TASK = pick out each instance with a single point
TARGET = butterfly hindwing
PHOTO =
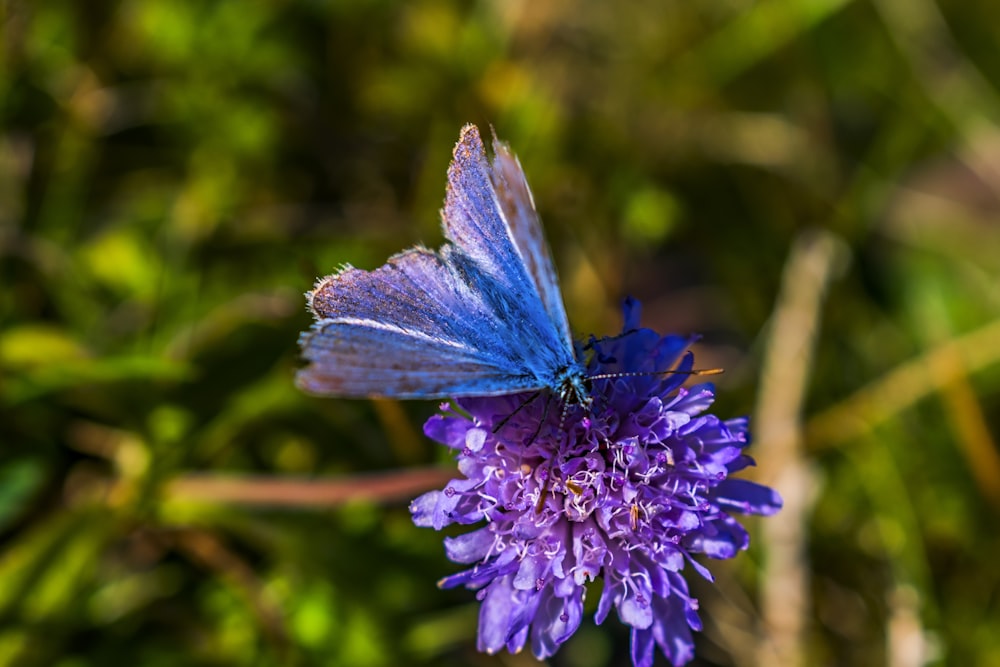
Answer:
(411, 329)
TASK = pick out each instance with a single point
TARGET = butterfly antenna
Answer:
(630, 374)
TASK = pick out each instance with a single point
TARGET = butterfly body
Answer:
(481, 316)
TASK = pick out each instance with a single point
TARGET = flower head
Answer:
(627, 488)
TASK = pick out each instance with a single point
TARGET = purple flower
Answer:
(627, 488)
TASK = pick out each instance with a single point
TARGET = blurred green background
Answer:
(783, 176)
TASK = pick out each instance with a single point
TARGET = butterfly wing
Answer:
(518, 208)
(490, 214)
(467, 320)
(419, 327)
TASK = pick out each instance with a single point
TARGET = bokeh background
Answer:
(814, 185)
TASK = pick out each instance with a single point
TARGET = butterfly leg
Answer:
(541, 498)
(503, 422)
(545, 415)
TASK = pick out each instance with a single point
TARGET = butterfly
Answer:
(481, 316)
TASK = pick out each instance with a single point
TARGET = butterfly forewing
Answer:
(518, 208)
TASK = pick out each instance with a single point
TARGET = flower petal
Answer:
(741, 495)
(635, 611)
(447, 429)
(495, 615)
(470, 547)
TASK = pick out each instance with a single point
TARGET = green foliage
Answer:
(174, 174)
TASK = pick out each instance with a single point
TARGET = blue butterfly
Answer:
(482, 316)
